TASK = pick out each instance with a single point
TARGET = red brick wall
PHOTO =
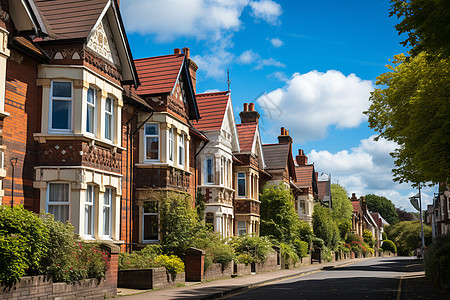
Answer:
(23, 102)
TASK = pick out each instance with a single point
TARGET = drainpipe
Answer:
(13, 164)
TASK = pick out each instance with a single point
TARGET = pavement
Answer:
(219, 288)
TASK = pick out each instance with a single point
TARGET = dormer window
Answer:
(151, 137)
(61, 106)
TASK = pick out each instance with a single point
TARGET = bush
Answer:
(368, 238)
(384, 236)
(407, 236)
(389, 245)
(216, 250)
(257, 247)
(301, 248)
(144, 259)
(327, 255)
(288, 255)
(437, 261)
(23, 241)
(317, 243)
(173, 264)
(324, 226)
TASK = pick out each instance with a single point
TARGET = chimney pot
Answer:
(287, 132)
(177, 51)
(251, 106)
(301, 158)
(245, 106)
(283, 131)
(187, 52)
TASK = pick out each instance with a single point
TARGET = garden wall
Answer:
(40, 287)
(270, 264)
(215, 271)
(155, 278)
(242, 269)
(305, 261)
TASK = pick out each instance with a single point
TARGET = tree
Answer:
(411, 107)
(324, 226)
(341, 209)
(425, 22)
(403, 215)
(278, 217)
(406, 236)
(383, 206)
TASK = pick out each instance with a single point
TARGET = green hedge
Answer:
(437, 261)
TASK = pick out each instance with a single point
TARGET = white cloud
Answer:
(276, 42)
(266, 10)
(201, 19)
(366, 169)
(211, 91)
(310, 103)
(247, 57)
(250, 57)
(278, 75)
(269, 62)
(215, 63)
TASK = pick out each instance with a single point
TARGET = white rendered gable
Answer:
(229, 125)
(102, 42)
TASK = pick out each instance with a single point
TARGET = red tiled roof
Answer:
(304, 176)
(246, 134)
(159, 74)
(70, 19)
(322, 187)
(212, 108)
(356, 206)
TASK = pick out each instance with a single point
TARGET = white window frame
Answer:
(65, 203)
(143, 224)
(222, 170)
(209, 158)
(90, 190)
(109, 194)
(145, 142)
(181, 151)
(245, 184)
(240, 228)
(111, 115)
(226, 173)
(171, 145)
(94, 113)
(50, 116)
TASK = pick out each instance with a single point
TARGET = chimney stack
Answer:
(284, 137)
(177, 51)
(353, 198)
(249, 114)
(301, 158)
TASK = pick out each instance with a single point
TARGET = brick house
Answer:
(438, 213)
(165, 142)
(307, 182)
(215, 161)
(68, 92)
(247, 167)
(362, 219)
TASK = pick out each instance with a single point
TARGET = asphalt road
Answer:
(396, 278)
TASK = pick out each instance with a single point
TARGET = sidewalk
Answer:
(219, 288)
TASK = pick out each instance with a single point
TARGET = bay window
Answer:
(107, 212)
(90, 110)
(89, 211)
(150, 225)
(209, 170)
(58, 201)
(61, 106)
(109, 121)
(151, 144)
(241, 184)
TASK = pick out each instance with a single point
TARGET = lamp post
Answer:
(13, 164)
(418, 206)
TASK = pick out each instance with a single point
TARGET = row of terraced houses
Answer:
(97, 138)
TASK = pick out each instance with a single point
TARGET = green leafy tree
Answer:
(425, 23)
(324, 226)
(341, 209)
(406, 236)
(368, 238)
(278, 217)
(200, 205)
(389, 245)
(383, 206)
(410, 107)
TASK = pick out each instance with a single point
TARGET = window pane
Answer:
(209, 170)
(108, 122)
(61, 113)
(106, 220)
(58, 192)
(61, 212)
(91, 96)
(151, 129)
(108, 105)
(241, 184)
(152, 147)
(62, 89)
(90, 119)
(88, 220)
(150, 227)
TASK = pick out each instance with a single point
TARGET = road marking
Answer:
(399, 290)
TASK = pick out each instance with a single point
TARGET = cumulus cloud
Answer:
(215, 62)
(310, 103)
(276, 42)
(266, 10)
(201, 19)
(366, 169)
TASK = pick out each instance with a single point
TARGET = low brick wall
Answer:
(155, 278)
(269, 265)
(216, 271)
(39, 287)
(305, 261)
(242, 269)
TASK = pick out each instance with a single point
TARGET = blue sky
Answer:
(308, 65)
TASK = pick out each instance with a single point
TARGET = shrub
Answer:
(216, 250)
(389, 245)
(301, 248)
(288, 255)
(245, 258)
(437, 260)
(144, 259)
(327, 255)
(407, 236)
(23, 240)
(173, 264)
(324, 226)
(368, 238)
(384, 236)
(317, 243)
(258, 247)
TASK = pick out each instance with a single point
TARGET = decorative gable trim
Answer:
(234, 134)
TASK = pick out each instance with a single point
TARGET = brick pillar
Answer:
(194, 263)
(111, 274)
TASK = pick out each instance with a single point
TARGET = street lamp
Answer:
(418, 206)
(329, 189)
(13, 164)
